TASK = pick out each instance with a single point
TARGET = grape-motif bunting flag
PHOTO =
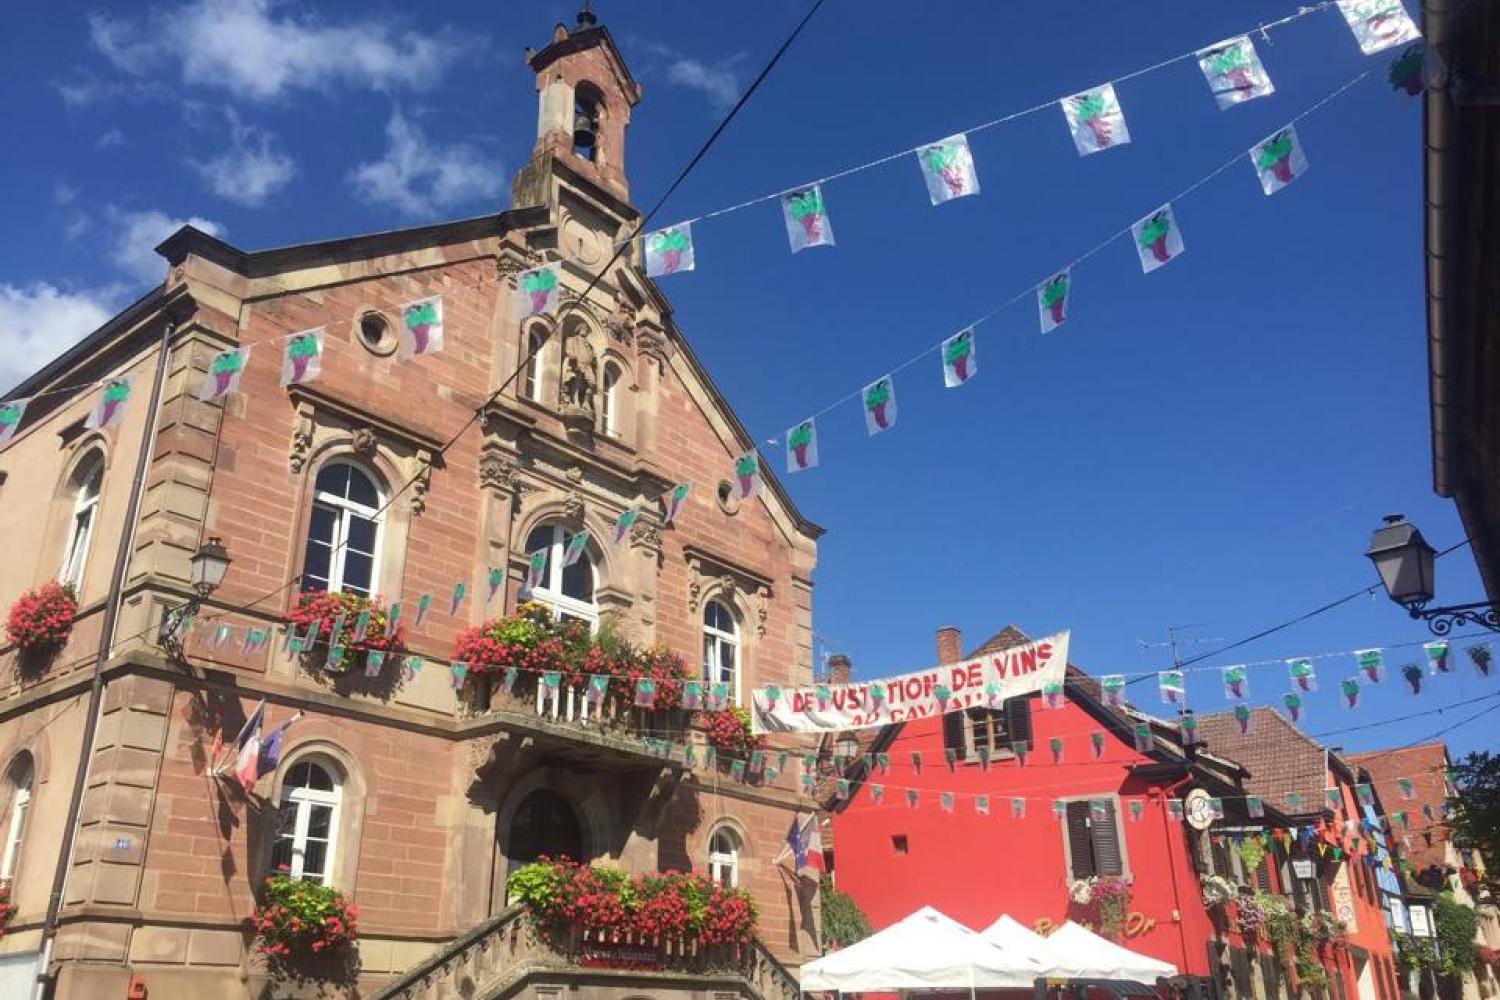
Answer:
(1412, 673)
(576, 546)
(669, 250)
(1052, 300)
(1112, 686)
(223, 375)
(1234, 72)
(1236, 683)
(1302, 675)
(539, 291)
(1157, 239)
(1378, 24)
(11, 413)
(948, 169)
(302, 358)
(1293, 702)
(802, 446)
(672, 502)
(1242, 718)
(806, 218)
(1278, 160)
(421, 328)
(747, 480)
(1479, 655)
(536, 566)
(1349, 686)
(1095, 120)
(1173, 686)
(1437, 656)
(960, 362)
(623, 524)
(111, 405)
(1371, 665)
(1408, 72)
(879, 398)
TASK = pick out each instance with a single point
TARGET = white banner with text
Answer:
(981, 682)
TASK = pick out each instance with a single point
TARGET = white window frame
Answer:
(714, 640)
(15, 834)
(532, 379)
(722, 862)
(84, 518)
(609, 410)
(304, 799)
(550, 592)
(342, 510)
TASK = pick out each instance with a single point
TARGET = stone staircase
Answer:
(503, 957)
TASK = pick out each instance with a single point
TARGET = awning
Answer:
(1014, 936)
(925, 951)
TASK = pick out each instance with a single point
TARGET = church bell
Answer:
(583, 131)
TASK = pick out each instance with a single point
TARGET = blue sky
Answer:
(1210, 444)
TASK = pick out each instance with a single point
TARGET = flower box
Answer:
(41, 620)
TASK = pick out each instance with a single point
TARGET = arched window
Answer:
(567, 590)
(721, 647)
(343, 534)
(724, 856)
(86, 482)
(609, 410)
(586, 122)
(307, 829)
(20, 779)
(536, 351)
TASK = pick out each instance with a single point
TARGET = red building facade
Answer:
(1095, 807)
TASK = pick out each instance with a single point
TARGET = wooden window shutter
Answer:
(1270, 975)
(1108, 858)
(1239, 967)
(1220, 855)
(954, 735)
(1080, 845)
(1263, 874)
(1018, 720)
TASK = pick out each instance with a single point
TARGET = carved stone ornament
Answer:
(762, 605)
(302, 439)
(573, 508)
(362, 441)
(643, 534)
(621, 324)
(496, 472)
(421, 481)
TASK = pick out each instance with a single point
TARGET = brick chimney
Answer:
(839, 668)
(950, 644)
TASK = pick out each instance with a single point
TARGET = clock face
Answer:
(1198, 809)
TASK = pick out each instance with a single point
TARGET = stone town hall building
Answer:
(416, 802)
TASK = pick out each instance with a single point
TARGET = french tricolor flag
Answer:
(806, 845)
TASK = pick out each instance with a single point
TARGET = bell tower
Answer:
(585, 93)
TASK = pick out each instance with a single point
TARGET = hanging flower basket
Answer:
(324, 607)
(296, 922)
(42, 619)
(728, 731)
(7, 908)
(1218, 891)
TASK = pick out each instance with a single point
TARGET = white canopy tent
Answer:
(925, 951)
(1098, 958)
(1011, 934)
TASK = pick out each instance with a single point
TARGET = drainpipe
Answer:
(1172, 865)
(101, 656)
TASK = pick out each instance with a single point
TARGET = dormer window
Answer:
(586, 104)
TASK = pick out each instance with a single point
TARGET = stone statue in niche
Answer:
(580, 373)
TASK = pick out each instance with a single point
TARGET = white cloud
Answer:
(255, 48)
(251, 169)
(39, 321)
(114, 137)
(63, 192)
(418, 177)
(718, 82)
(136, 234)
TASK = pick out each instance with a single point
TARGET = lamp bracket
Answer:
(1443, 620)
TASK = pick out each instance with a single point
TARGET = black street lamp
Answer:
(1405, 563)
(207, 568)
